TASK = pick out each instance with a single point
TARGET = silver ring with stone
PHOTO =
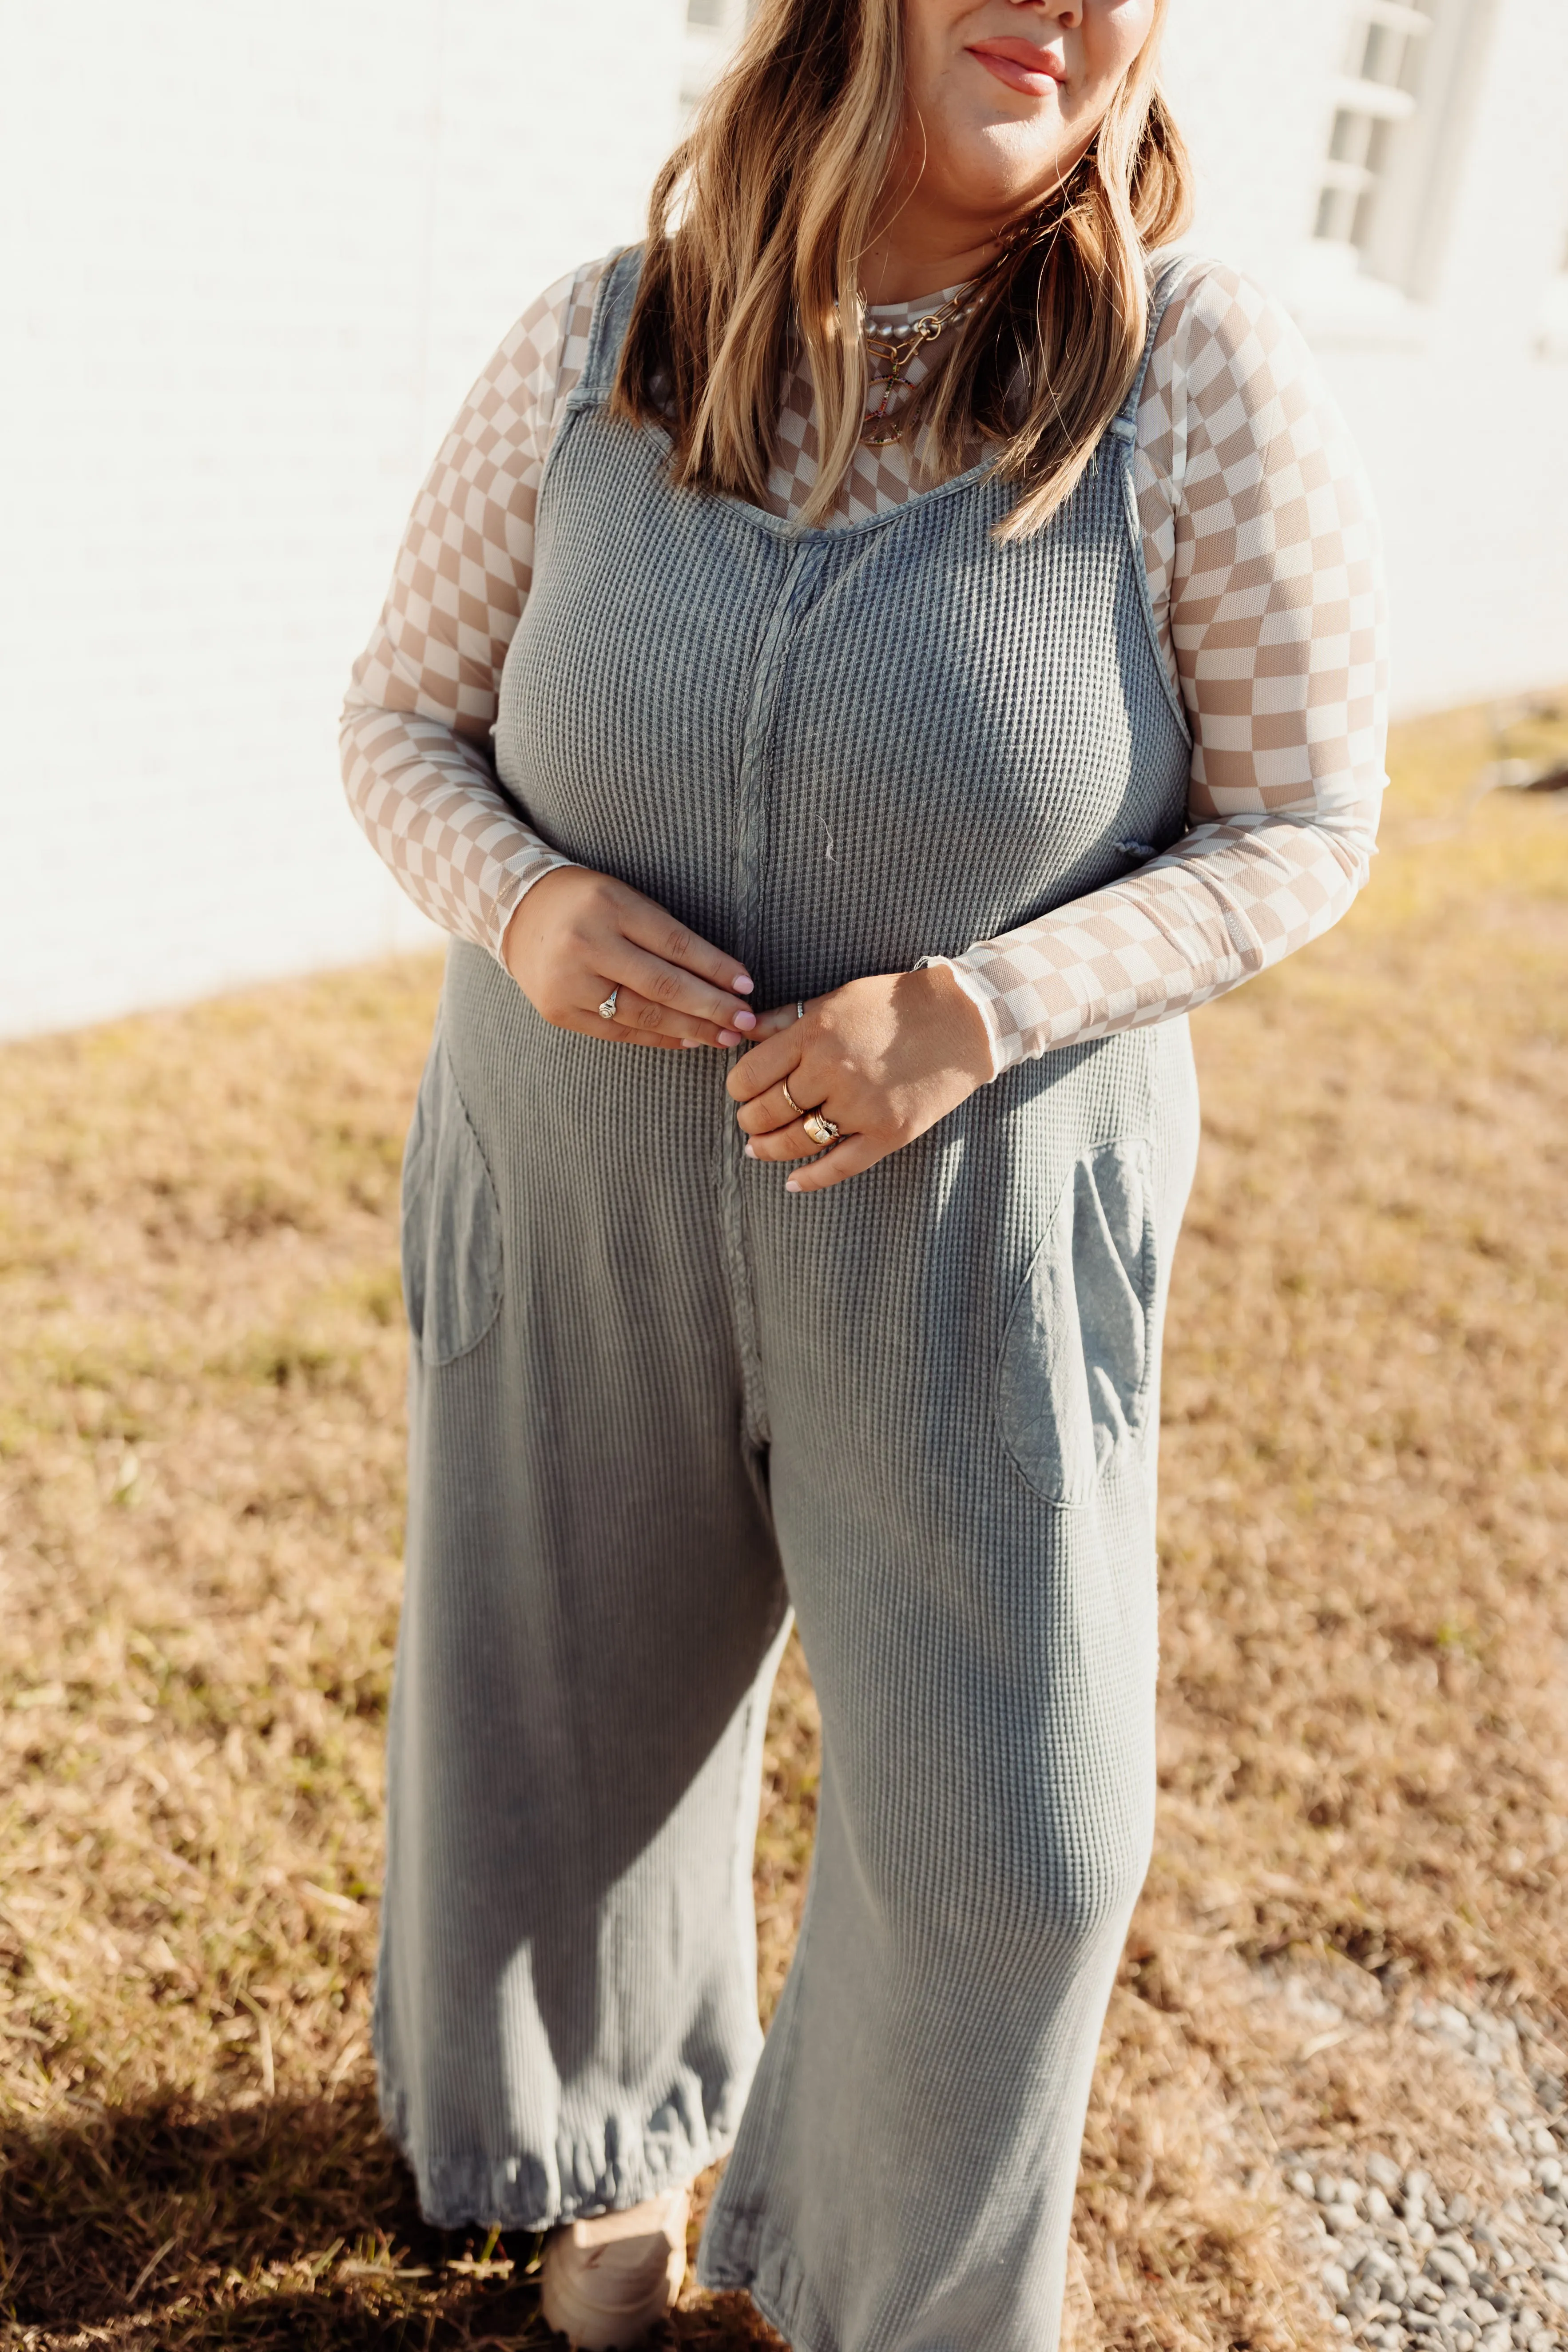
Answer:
(608, 1007)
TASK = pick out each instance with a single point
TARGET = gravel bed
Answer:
(1407, 2265)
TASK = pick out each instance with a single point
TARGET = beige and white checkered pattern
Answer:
(1262, 558)
(423, 697)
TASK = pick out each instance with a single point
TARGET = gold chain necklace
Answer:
(891, 354)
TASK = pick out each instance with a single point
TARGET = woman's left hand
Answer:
(883, 1058)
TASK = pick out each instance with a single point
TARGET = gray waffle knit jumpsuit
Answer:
(657, 1401)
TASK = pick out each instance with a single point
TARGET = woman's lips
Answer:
(1020, 65)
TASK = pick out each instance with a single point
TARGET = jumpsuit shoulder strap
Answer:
(1165, 279)
(612, 317)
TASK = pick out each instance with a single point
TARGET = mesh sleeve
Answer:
(1264, 563)
(415, 730)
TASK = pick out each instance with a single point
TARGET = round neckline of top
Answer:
(903, 312)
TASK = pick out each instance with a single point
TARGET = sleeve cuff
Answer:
(980, 996)
(531, 868)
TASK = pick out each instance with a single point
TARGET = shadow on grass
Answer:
(286, 2225)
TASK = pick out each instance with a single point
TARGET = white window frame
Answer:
(1415, 208)
(1376, 285)
(1373, 112)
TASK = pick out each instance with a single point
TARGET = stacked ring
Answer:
(820, 1128)
(790, 1099)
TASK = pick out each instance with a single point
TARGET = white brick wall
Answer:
(252, 257)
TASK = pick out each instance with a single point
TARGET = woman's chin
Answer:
(1003, 166)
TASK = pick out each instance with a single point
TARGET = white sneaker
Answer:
(603, 2284)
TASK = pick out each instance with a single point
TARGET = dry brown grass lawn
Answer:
(1364, 1730)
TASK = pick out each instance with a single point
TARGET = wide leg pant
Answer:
(656, 1401)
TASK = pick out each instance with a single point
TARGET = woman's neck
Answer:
(905, 268)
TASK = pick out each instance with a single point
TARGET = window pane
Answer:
(1360, 225)
(1348, 143)
(1384, 56)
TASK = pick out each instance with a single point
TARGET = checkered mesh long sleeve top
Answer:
(1262, 559)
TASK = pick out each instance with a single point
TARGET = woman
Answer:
(929, 645)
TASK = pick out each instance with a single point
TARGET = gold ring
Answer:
(820, 1128)
(608, 1007)
(790, 1099)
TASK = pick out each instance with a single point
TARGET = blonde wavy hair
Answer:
(756, 230)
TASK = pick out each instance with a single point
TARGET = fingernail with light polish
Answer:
(741, 985)
(792, 1186)
(729, 1037)
(745, 1020)
(749, 1153)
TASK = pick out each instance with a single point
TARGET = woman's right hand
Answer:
(576, 935)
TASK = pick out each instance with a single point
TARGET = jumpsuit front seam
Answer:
(750, 860)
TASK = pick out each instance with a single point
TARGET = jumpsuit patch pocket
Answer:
(451, 1222)
(1076, 1359)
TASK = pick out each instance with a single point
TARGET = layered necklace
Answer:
(891, 351)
